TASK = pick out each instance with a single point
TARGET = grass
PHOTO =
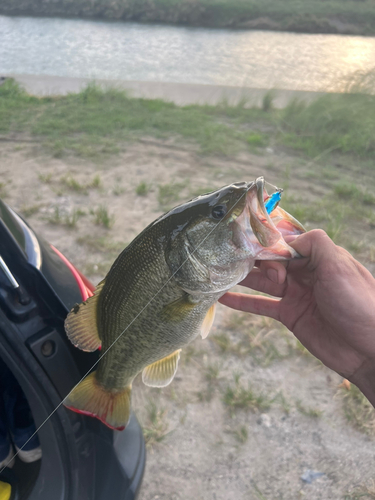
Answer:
(95, 123)
(308, 412)
(241, 434)
(103, 218)
(69, 220)
(358, 410)
(237, 396)
(29, 210)
(366, 491)
(156, 427)
(142, 189)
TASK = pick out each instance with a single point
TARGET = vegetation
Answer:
(237, 396)
(358, 410)
(315, 16)
(96, 122)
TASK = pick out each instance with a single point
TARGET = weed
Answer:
(96, 182)
(241, 434)
(68, 219)
(366, 491)
(55, 217)
(102, 217)
(142, 189)
(255, 139)
(73, 184)
(46, 178)
(346, 191)
(308, 412)
(267, 101)
(28, 211)
(238, 396)
(71, 219)
(358, 410)
(156, 429)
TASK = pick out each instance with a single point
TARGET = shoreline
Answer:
(181, 94)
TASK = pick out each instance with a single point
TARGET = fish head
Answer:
(219, 237)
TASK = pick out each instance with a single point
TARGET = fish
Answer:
(161, 292)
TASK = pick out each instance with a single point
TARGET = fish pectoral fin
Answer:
(110, 407)
(177, 310)
(208, 321)
(161, 373)
(81, 324)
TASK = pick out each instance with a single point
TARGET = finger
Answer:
(315, 244)
(255, 304)
(259, 281)
(275, 270)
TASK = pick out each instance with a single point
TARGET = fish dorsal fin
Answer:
(161, 373)
(208, 320)
(81, 324)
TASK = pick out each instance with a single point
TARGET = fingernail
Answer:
(273, 275)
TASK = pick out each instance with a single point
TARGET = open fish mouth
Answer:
(264, 233)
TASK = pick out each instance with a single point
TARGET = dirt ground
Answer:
(202, 446)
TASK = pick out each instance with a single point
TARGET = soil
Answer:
(199, 448)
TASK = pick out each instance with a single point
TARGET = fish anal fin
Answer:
(91, 399)
(81, 324)
(161, 373)
(208, 321)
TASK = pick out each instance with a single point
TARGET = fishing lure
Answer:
(272, 202)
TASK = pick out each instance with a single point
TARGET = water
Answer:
(130, 51)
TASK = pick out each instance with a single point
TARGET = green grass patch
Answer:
(103, 218)
(142, 189)
(237, 396)
(358, 410)
(156, 426)
(95, 123)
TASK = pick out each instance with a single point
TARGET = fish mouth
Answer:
(265, 232)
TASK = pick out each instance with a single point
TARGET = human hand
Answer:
(327, 299)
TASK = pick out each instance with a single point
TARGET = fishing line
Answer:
(114, 342)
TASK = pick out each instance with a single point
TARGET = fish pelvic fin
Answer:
(90, 398)
(162, 372)
(208, 321)
(81, 324)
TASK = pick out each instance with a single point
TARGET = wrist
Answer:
(364, 379)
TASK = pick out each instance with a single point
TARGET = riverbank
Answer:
(315, 16)
(182, 94)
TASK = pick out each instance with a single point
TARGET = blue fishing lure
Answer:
(272, 202)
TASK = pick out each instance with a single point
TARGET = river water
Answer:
(131, 51)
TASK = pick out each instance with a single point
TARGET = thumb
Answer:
(315, 244)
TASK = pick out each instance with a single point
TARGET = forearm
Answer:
(364, 379)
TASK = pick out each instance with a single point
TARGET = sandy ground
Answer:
(181, 94)
(198, 448)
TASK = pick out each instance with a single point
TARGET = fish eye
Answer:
(219, 211)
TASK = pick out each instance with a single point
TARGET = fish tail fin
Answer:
(92, 399)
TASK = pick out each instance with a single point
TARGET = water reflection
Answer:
(130, 51)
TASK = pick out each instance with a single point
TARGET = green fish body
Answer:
(161, 291)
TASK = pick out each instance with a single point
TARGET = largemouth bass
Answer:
(161, 292)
